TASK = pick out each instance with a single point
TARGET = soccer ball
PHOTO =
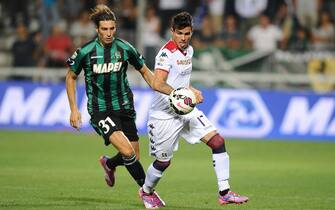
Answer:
(182, 100)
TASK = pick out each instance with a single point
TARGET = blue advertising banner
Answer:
(269, 114)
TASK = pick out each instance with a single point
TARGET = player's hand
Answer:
(75, 119)
(198, 95)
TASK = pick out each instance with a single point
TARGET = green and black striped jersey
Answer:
(105, 68)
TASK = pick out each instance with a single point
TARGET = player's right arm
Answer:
(162, 70)
(75, 116)
(159, 82)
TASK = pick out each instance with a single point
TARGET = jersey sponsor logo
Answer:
(239, 113)
(184, 62)
(106, 67)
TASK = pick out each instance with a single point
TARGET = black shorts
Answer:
(105, 123)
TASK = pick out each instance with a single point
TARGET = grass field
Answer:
(61, 171)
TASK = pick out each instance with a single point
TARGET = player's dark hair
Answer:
(181, 20)
(102, 12)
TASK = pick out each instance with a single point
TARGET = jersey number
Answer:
(105, 124)
(199, 118)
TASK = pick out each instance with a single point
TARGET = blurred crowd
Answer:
(45, 32)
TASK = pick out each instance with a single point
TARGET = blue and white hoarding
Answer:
(301, 115)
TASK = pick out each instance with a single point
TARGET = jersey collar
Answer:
(184, 52)
(102, 45)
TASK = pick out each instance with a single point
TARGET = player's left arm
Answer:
(198, 94)
(147, 75)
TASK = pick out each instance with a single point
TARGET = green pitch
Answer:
(61, 171)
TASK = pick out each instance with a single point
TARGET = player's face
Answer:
(106, 31)
(182, 37)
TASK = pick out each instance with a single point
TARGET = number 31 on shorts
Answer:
(105, 124)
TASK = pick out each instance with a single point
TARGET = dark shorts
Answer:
(105, 123)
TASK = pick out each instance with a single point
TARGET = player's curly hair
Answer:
(182, 20)
(101, 12)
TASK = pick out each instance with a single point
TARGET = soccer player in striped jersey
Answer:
(104, 61)
(173, 69)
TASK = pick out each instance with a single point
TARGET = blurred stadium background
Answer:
(266, 68)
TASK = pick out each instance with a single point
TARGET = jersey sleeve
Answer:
(135, 58)
(163, 60)
(75, 62)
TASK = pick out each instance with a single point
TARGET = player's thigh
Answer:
(128, 125)
(105, 124)
(121, 143)
(130, 130)
(163, 137)
(197, 127)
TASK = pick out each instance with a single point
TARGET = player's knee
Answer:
(128, 152)
(217, 144)
(129, 160)
(160, 165)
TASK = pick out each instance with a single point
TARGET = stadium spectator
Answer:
(264, 36)
(248, 12)
(200, 11)
(18, 12)
(128, 17)
(151, 36)
(285, 21)
(173, 70)
(204, 37)
(216, 11)
(110, 104)
(328, 5)
(324, 34)
(166, 9)
(49, 15)
(307, 12)
(58, 46)
(70, 9)
(82, 30)
(39, 49)
(299, 40)
(272, 7)
(230, 37)
(23, 48)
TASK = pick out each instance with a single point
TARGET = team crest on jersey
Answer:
(117, 55)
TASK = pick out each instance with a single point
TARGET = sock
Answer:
(115, 161)
(223, 192)
(135, 169)
(221, 167)
(152, 179)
